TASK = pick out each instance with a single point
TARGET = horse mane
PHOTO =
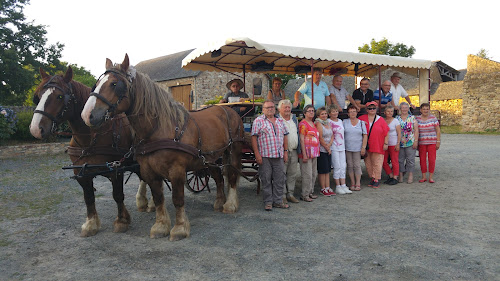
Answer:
(154, 102)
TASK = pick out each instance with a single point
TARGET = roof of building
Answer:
(166, 68)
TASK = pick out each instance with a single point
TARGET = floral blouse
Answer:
(311, 139)
(407, 130)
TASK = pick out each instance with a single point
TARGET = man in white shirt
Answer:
(398, 91)
(338, 94)
(292, 166)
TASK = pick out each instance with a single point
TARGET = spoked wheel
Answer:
(196, 181)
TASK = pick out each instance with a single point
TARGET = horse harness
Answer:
(68, 96)
(112, 107)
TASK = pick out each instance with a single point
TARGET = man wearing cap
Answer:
(398, 91)
(235, 95)
(321, 93)
(338, 94)
(385, 96)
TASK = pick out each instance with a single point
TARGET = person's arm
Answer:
(255, 148)
(398, 131)
(302, 144)
(363, 145)
(270, 95)
(321, 139)
(438, 133)
(297, 99)
(351, 100)
(224, 99)
(415, 134)
(407, 98)
(334, 100)
(386, 142)
(285, 148)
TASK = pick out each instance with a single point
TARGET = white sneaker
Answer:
(346, 189)
(339, 190)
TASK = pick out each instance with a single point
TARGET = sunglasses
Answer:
(371, 108)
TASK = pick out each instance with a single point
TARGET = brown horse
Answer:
(169, 141)
(61, 99)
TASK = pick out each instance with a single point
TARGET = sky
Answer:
(94, 30)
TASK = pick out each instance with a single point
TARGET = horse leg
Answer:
(233, 177)
(181, 228)
(162, 224)
(216, 174)
(92, 223)
(122, 221)
(141, 201)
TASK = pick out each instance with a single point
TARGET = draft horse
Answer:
(59, 98)
(169, 140)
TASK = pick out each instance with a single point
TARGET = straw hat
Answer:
(228, 85)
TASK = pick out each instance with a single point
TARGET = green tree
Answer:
(483, 54)
(384, 47)
(23, 49)
(80, 74)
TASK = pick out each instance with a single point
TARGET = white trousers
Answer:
(339, 164)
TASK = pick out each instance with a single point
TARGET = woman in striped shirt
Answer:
(429, 140)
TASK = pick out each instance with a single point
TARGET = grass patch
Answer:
(25, 205)
(457, 129)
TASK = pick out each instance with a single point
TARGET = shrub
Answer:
(23, 125)
(7, 123)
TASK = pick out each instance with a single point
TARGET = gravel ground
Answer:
(443, 231)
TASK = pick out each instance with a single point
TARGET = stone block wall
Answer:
(451, 111)
(32, 150)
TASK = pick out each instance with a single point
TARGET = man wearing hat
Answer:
(235, 95)
(398, 91)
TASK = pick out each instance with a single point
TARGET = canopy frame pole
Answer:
(379, 88)
(312, 82)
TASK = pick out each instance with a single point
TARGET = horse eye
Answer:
(59, 97)
(113, 84)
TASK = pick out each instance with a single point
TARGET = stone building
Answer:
(481, 95)
(194, 88)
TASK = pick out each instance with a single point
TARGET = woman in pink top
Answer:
(309, 140)
(429, 140)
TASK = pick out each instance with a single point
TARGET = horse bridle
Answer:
(68, 96)
(111, 107)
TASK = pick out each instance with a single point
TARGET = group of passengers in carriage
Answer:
(322, 144)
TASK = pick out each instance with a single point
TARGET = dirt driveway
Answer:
(449, 230)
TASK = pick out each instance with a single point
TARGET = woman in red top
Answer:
(378, 138)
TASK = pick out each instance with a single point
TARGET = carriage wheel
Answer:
(196, 181)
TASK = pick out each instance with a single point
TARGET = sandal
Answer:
(356, 188)
(312, 196)
(268, 207)
(281, 205)
(307, 199)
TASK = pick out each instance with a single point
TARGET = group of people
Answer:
(322, 142)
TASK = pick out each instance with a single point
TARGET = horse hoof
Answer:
(159, 230)
(142, 209)
(90, 227)
(120, 227)
(179, 232)
(229, 209)
(150, 209)
(218, 205)
(88, 233)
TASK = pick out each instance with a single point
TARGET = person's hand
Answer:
(357, 108)
(386, 146)
(242, 99)
(363, 151)
(296, 103)
(438, 144)
(415, 145)
(258, 159)
(304, 159)
(223, 101)
(396, 147)
(329, 150)
(413, 106)
(285, 156)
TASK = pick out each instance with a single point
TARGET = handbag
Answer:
(367, 145)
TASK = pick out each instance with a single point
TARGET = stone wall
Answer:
(451, 111)
(32, 150)
(481, 96)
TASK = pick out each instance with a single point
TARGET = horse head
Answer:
(110, 95)
(54, 98)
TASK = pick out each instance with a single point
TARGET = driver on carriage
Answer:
(235, 95)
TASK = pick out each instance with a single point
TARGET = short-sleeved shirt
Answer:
(427, 133)
(407, 130)
(377, 136)
(340, 95)
(385, 98)
(327, 137)
(320, 93)
(338, 135)
(397, 93)
(393, 134)
(270, 137)
(311, 139)
(364, 98)
(354, 135)
(240, 94)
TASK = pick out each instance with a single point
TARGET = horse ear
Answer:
(125, 64)
(43, 74)
(109, 64)
(69, 75)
